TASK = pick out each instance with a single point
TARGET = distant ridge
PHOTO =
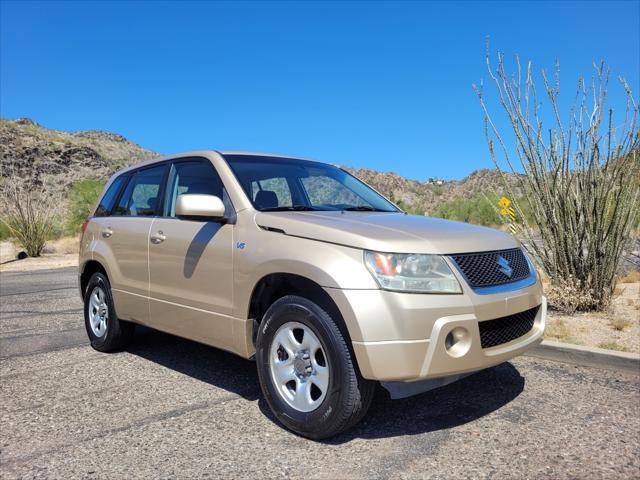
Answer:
(29, 149)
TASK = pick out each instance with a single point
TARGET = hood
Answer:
(387, 232)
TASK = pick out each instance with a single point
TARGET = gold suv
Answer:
(298, 264)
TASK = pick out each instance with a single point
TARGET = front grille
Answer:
(503, 330)
(487, 269)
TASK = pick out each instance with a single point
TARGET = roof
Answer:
(260, 154)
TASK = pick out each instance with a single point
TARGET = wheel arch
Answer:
(87, 270)
(274, 286)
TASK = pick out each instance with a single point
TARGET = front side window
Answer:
(140, 198)
(275, 183)
(197, 177)
(109, 198)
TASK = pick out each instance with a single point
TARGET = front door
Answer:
(191, 262)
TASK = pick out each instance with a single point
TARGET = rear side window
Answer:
(109, 198)
(197, 177)
(140, 198)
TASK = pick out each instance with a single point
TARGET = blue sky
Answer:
(384, 85)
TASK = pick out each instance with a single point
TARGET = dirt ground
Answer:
(617, 329)
(8, 262)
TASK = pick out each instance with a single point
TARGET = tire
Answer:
(293, 394)
(105, 331)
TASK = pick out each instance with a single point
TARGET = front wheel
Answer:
(306, 370)
(105, 331)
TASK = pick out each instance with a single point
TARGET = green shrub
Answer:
(82, 198)
(408, 208)
(481, 209)
(438, 190)
(58, 230)
(478, 210)
(5, 233)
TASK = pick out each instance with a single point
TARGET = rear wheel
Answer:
(105, 331)
(307, 372)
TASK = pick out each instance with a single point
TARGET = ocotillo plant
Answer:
(28, 208)
(581, 177)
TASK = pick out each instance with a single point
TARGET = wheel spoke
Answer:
(302, 398)
(288, 341)
(283, 372)
(321, 378)
(310, 342)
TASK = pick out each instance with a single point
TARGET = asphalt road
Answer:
(172, 408)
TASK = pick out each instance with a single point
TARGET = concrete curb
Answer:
(587, 356)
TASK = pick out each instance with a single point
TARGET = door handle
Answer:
(107, 232)
(158, 237)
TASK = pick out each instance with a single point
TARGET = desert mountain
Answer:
(30, 150)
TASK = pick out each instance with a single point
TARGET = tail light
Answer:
(83, 228)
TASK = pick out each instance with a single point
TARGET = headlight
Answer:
(408, 272)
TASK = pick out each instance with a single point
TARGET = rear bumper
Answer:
(386, 339)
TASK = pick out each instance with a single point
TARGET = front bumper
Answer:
(403, 337)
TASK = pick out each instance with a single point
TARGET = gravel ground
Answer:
(171, 408)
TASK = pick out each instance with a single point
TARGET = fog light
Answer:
(457, 342)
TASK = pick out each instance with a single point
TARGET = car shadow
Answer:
(450, 406)
(204, 363)
(446, 407)
(197, 247)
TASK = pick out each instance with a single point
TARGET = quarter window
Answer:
(109, 198)
(140, 198)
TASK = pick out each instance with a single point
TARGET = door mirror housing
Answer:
(197, 205)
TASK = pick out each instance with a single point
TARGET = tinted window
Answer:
(109, 198)
(275, 183)
(141, 195)
(195, 178)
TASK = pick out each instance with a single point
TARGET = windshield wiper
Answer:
(363, 208)
(294, 208)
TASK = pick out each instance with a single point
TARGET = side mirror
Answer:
(196, 205)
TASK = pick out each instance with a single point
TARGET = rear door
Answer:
(191, 261)
(125, 235)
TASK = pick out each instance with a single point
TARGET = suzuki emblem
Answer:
(504, 266)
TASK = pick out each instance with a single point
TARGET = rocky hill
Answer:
(427, 196)
(30, 150)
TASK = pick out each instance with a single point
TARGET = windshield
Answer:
(283, 184)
